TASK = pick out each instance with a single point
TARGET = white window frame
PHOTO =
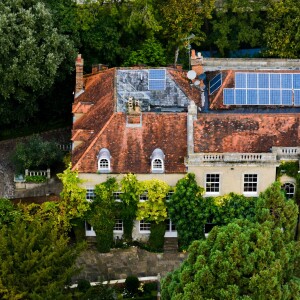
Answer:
(118, 227)
(144, 197)
(144, 224)
(104, 155)
(90, 194)
(288, 194)
(157, 155)
(116, 196)
(213, 183)
(250, 193)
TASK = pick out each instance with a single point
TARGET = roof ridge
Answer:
(93, 142)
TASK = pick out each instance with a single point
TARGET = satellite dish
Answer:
(191, 74)
(197, 82)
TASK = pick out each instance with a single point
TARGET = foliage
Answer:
(34, 54)
(83, 285)
(282, 35)
(8, 212)
(36, 262)
(154, 209)
(180, 19)
(233, 206)
(132, 284)
(237, 23)
(35, 153)
(290, 168)
(99, 292)
(273, 206)
(73, 202)
(186, 208)
(36, 178)
(156, 238)
(131, 189)
(243, 260)
(151, 54)
(102, 214)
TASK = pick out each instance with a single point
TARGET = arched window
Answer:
(157, 161)
(104, 161)
(289, 189)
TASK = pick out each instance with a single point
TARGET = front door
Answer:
(170, 229)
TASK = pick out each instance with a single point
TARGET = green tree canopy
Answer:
(243, 260)
(36, 153)
(33, 52)
(282, 32)
(36, 262)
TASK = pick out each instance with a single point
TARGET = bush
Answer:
(35, 178)
(132, 284)
(83, 285)
(156, 238)
(104, 240)
(100, 292)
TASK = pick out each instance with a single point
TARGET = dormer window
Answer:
(157, 161)
(104, 161)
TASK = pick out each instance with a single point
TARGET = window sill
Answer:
(250, 194)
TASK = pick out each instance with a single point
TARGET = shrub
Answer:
(104, 240)
(100, 292)
(156, 238)
(35, 178)
(83, 285)
(132, 284)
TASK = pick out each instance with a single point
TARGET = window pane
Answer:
(250, 183)
(289, 189)
(118, 225)
(103, 164)
(212, 183)
(144, 226)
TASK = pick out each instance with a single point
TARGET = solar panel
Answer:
(157, 79)
(157, 85)
(264, 89)
(252, 80)
(252, 98)
(228, 97)
(296, 81)
(263, 97)
(297, 97)
(215, 83)
(275, 82)
(275, 98)
(287, 97)
(240, 80)
(286, 81)
(157, 74)
(240, 96)
(263, 80)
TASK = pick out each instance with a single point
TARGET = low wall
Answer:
(119, 263)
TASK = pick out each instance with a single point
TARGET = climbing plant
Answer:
(131, 189)
(103, 213)
(186, 210)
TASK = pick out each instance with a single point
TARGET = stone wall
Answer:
(119, 263)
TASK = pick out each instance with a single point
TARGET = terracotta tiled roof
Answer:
(131, 148)
(253, 133)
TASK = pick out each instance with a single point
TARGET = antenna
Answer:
(191, 74)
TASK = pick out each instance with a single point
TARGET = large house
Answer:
(229, 121)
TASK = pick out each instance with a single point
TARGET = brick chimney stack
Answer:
(79, 74)
(197, 62)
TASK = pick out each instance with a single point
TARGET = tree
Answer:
(36, 153)
(8, 212)
(282, 31)
(36, 262)
(151, 54)
(243, 260)
(34, 54)
(187, 210)
(180, 19)
(237, 23)
(73, 204)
